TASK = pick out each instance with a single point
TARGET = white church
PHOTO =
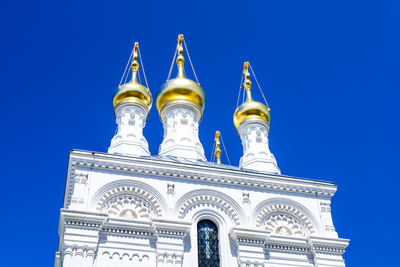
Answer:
(129, 208)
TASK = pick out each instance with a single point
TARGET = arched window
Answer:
(207, 244)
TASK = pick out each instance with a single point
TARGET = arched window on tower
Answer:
(207, 244)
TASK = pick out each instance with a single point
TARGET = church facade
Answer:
(129, 208)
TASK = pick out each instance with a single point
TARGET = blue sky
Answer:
(329, 69)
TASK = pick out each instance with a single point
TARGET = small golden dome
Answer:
(180, 88)
(133, 92)
(250, 109)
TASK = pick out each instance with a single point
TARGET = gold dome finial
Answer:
(247, 82)
(133, 92)
(250, 109)
(180, 60)
(135, 64)
(217, 147)
(181, 89)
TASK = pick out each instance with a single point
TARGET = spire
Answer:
(133, 91)
(180, 103)
(180, 60)
(132, 103)
(250, 109)
(135, 64)
(251, 120)
(217, 147)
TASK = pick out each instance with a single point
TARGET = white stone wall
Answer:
(127, 211)
(129, 139)
(256, 153)
(181, 132)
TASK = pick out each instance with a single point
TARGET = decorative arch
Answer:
(129, 207)
(207, 197)
(138, 199)
(280, 212)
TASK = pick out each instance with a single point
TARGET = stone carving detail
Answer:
(135, 199)
(128, 207)
(80, 189)
(181, 134)
(325, 207)
(284, 224)
(169, 259)
(326, 216)
(171, 189)
(130, 167)
(78, 256)
(246, 198)
(204, 200)
(124, 259)
(287, 210)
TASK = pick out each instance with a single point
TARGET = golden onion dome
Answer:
(250, 109)
(180, 89)
(133, 92)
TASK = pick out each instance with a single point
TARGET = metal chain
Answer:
(212, 153)
(240, 91)
(259, 87)
(244, 93)
(226, 152)
(126, 76)
(144, 73)
(172, 65)
(127, 64)
(187, 51)
(138, 75)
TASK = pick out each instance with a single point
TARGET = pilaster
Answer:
(250, 246)
(79, 234)
(170, 241)
(282, 250)
(80, 191)
(328, 252)
(326, 217)
(126, 243)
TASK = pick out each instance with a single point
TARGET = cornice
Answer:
(329, 245)
(249, 236)
(289, 243)
(102, 223)
(190, 171)
(73, 218)
(173, 228)
(82, 219)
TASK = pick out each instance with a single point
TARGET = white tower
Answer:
(180, 103)
(252, 123)
(132, 103)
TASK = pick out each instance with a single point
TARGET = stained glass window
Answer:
(207, 243)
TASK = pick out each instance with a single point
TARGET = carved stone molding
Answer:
(128, 207)
(207, 174)
(117, 196)
(284, 224)
(280, 206)
(129, 191)
(199, 198)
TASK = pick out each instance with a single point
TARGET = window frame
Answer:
(218, 239)
(223, 235)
